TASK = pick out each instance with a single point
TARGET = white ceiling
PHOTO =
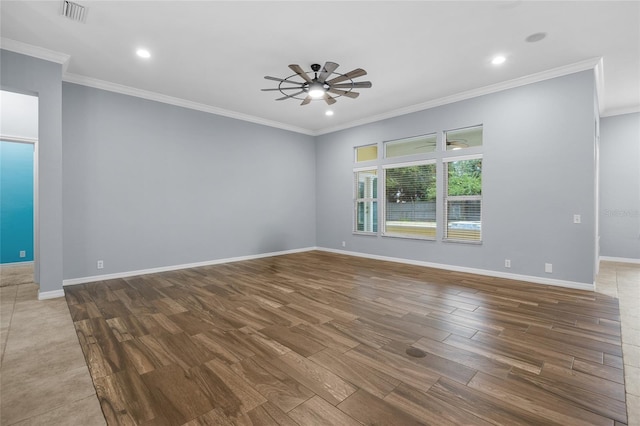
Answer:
(213, 55)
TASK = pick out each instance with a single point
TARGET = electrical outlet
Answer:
(344, 244)
(577, 218)
(548, 268)
(100, 264)
(23, 253)
(507, 263)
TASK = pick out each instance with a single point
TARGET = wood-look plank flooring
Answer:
(319, 338)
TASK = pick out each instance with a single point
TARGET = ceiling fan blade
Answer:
(358, 72)
(268, 77)
(282, 80)
(354, 85)
(348, 94)
(306, 100)
(289, 96)
(327, 70)
(328, 99)
(273, 89)
(458, 144)
(296, 68)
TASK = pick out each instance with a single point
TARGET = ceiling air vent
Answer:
(73, 11)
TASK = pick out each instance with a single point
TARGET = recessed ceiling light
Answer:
(535, 37)
(143, 53)
(497, 60)
(329, 112)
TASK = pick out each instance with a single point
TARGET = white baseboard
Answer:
(486, 272)
(44, 295)
(127, 274)
(12, 264)
(620, 259)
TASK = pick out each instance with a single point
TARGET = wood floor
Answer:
(319, 338)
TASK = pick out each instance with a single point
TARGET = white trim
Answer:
(44, 295)
(365, 169)
(585, 65)
(599, 77)
(620, 111)
(18, 139)
(35, 51)
(16, 264)
(158, 97)
(451, 159)
(620, 259)
(497, 274)
(82, 280)
(409, 163)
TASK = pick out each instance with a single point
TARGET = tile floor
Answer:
(16, 273)
(622, 280)
(44, 379)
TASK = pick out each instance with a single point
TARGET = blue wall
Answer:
(16, 201)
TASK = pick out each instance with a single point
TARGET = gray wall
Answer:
(33, 76)
(538, 171)
(151, 185)
(620, 186)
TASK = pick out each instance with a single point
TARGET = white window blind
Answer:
(463, 199)
(410, 200)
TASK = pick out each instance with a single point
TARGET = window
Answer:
(425, 183)
(410, 200)
(463, 138)
(366, 201)
(463, 198)
(410, 146)
(366, 153)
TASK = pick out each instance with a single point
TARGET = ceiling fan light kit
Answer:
(322, 82)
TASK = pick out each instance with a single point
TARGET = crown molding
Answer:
(595, 64)
(620, 111)
(158, 97)
(35, 51)
(585, 65)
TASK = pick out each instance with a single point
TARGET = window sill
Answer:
(366, 234)
(476, 243)
(408, 237)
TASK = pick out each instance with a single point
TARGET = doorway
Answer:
(18, 189)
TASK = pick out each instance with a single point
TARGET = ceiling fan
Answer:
(319, 83)
(457, 143)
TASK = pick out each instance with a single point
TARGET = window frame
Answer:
(446, 198)
(357, 200)
(385, 145)
(446, 151)
(440, 157)
(383, 210)
(355, 153)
